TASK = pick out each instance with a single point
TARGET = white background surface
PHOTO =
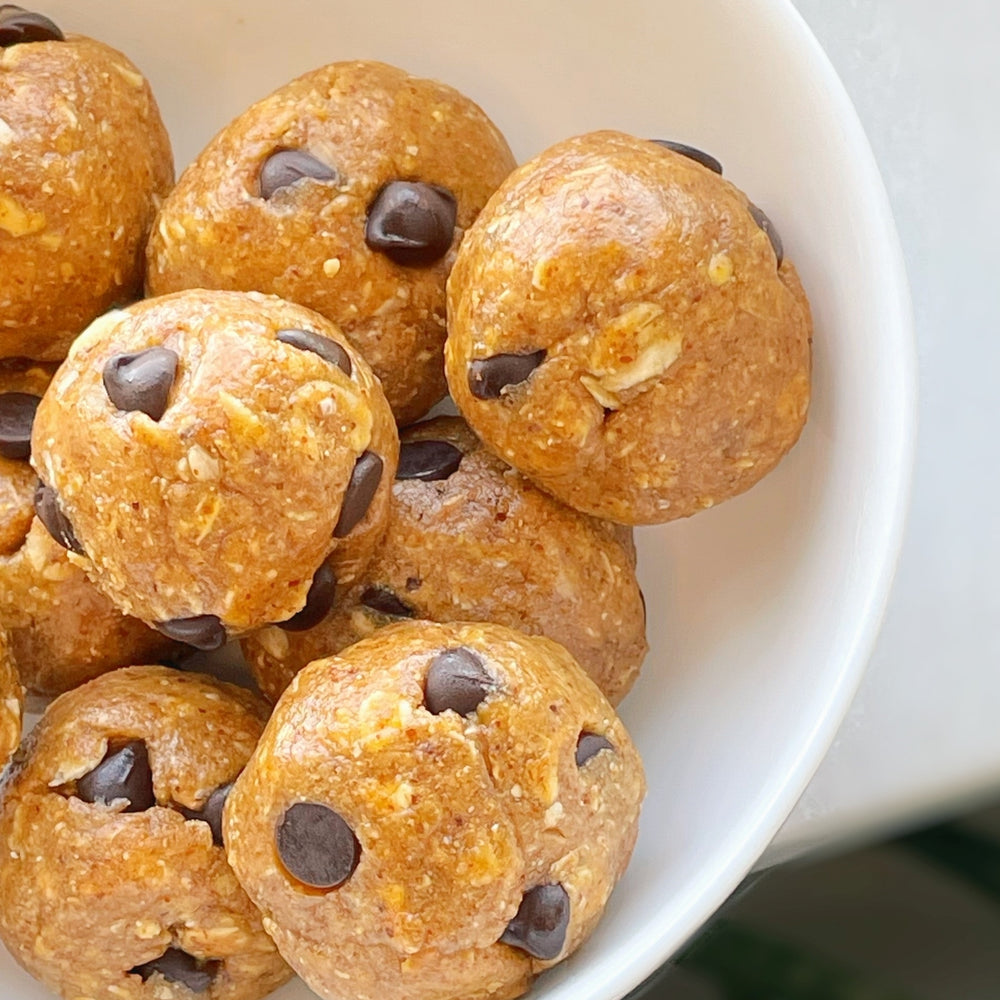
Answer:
(923, 736)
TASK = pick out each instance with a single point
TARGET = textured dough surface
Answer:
(677, 354)
(84, 162)
(457, 817)
(226, 505)
(484, 544)
(87, 891)
(11, 702)
(373, 124)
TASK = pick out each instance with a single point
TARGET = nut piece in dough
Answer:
(470, 539)
(624, 330)
(441, 811)
(113, 877)
(205, 455)
(347, 190)
(61, 629)
(11, 702)
(84, 162)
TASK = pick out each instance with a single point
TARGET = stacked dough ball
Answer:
(443, 798)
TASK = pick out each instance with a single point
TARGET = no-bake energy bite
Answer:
(470, 539)
(625, 330)
(113, 877)
(440, 811)
(346, 190)
(215, 461)
(84, 161)
(61, 629)
(11, 702)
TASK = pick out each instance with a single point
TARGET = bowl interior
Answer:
(762, 611)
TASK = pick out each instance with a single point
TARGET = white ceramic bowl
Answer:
(763, 611)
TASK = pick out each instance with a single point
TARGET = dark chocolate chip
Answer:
(201, 631)
(412, 223)
(327, 349)
(316, 845)
(360, 492)
(539, 926)
(177, 966)
(772, 234)
(55, 521)
(286, 167)
(588, 745)
(319, 600)
(488, 377)
(692, 153)
(18, 25)
(457, 680)
(384, 601)
(141, 381)
(413, 583)
(123, 774)
(211, 811)
(17, 414)
(427, 460)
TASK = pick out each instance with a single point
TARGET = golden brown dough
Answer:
(11, 702)
(364, 125)
(84, 162)
(661, 351)
(103, 879)
(435, 833)
(61, 629)
(205, 454)
(470, 539)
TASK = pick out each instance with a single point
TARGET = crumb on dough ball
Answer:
(346, 190)
(470, 539)
(113, 878)
(213, 459)
(84, 162)
(61, 629)
(11, 702)
(624, 330)
(441, 811)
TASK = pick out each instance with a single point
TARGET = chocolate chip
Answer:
(141, 381)
(316, 845)
(177, 966)
(412, 223)
(123, 774)
(327, 349)
(201, 631)
(692, 153)
(539, 926)
(211, 811)
(772, 234)
(319, 600)
(588, 745)
(55, 521)
(457, 680)
(413, 583)
(286, 167)
(427, 460)
(17, 414)
(384, 601)
(488, 377)
(360, 492)
(18, 25)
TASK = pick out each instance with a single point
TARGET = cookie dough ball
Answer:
(439, 811)
(11, 702)
(470, 539)
(61, 629)
(623, 329)
(84, 162)
(210, 458)
(113, 877)
(347, 190)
